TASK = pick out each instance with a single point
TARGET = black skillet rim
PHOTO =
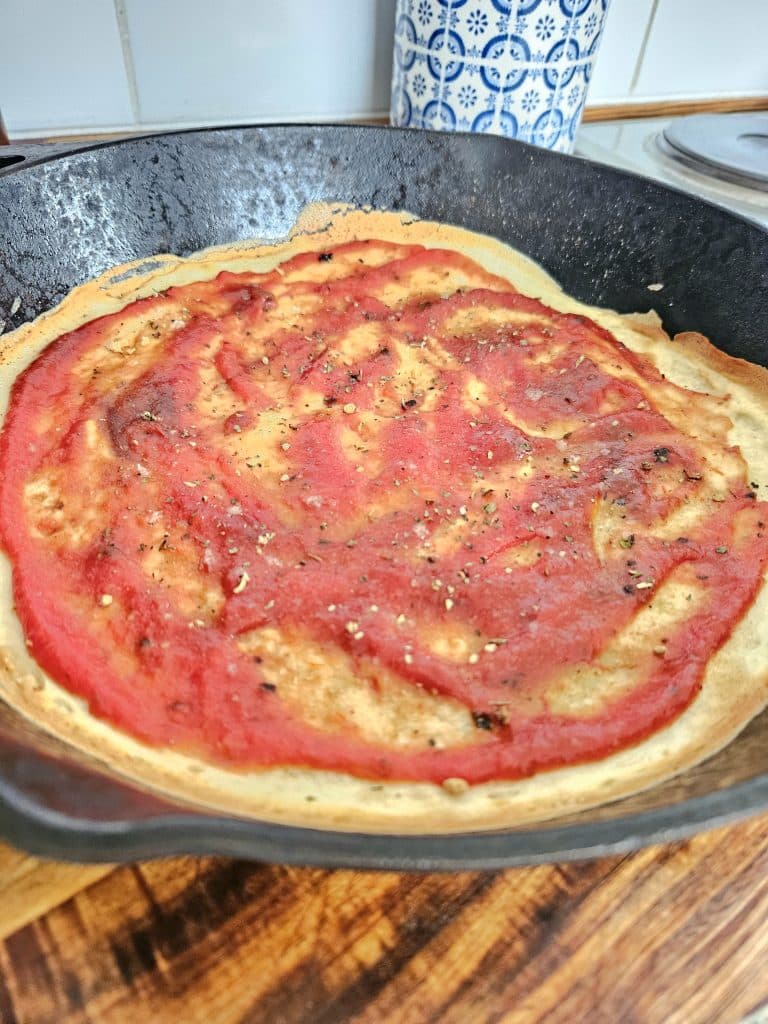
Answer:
(168, 830)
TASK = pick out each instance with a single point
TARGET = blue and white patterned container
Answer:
(511, 67)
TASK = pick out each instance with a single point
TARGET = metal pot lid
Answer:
(736, 144)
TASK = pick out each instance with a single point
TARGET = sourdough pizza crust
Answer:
(736, 681)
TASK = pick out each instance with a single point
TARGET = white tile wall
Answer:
(620, 46)
(64, 67)
(240, 60)
(61, 66)
(706, 48)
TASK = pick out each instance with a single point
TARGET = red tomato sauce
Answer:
(104, 628)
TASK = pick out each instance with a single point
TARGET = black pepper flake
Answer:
(512, 681)
(482, 720)
(628, 588)
(410, 403)
(628, 541)
(269, 687)
(325, 257)
(661, 454)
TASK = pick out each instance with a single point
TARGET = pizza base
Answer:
(735, 686)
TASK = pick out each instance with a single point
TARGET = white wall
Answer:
(93, 65)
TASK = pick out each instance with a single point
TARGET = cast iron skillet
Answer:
(605, 235)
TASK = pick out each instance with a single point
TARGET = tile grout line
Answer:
(443, 52)
(643, 47)
(498, 107)
(554, 105)
(492, 62)
(130, 70)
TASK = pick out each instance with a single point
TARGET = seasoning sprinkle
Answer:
(105, 600)
(242, 583)
(349, 408)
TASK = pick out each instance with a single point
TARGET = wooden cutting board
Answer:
(671, 935)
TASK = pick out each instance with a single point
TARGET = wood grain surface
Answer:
(670, 935)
